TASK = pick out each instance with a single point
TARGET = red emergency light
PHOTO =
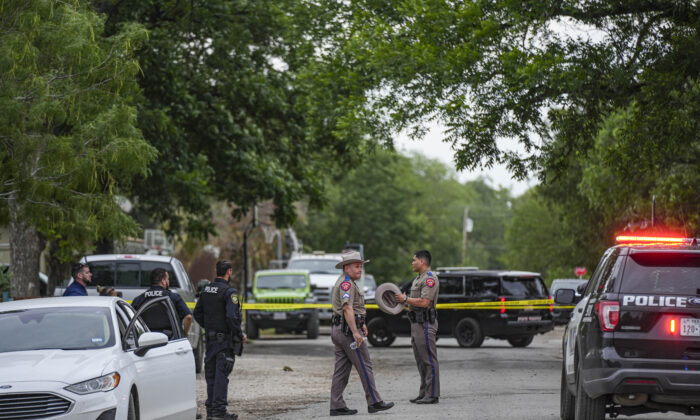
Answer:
(650, 239)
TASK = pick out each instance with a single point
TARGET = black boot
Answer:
(420, 397)
(380, 406)
(428, 400)
(224, 416)
(342, 411)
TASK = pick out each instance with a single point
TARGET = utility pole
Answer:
(466, 227)
(253, 225)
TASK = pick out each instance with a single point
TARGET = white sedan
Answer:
(93, 358)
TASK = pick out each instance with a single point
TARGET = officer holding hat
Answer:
(347, 336)
(218, 311)
(424, 326)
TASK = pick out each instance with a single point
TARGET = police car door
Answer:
(165, 375)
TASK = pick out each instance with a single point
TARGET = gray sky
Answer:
(432, 147)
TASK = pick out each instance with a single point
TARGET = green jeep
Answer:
(283, 286)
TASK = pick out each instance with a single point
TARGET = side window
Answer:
(483, 286)
(148, 266)
(452, 285)
(159, 317)
(102, 273)
(594, 283)
(125, 315)
(128, 275)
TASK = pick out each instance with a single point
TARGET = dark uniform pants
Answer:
(345, 359)
(425, 352)
(216, 374)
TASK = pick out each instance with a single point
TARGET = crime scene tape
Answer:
(512, 304)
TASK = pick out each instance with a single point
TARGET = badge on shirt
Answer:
(346, 296)
(345, 285)
(430, 282)
(234, 299)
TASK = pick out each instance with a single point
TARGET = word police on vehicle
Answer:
(661, 301)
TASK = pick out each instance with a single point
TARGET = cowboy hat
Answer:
(350, 257)
(384, 296)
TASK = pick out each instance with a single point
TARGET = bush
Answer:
(5, 275)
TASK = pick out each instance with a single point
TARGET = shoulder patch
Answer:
(430, 274)
(346, 285)
(430, 282)
(234, 298)
(346, 296)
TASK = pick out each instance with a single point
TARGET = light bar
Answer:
(651, 239)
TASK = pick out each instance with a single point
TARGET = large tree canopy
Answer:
(223, 105)
(68, 140)
(530, 84)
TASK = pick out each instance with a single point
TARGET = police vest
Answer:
(213, 301)
(156, 317)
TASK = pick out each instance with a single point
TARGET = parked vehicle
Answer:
(283, 286)
(92, 358)
(130, 274)
(561, 316)
(470, 327)
(323, 275)
(632, 345)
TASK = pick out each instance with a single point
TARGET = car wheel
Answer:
(566, 400)
(251, 329)
(199, 356)
(379, 334)
(132, 412)
(521, 341)
(313, 326)
(587, 408)
(468, 333)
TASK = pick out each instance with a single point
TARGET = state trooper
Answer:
(424, 326)
(156, 318)
(218, 311)
(348, 329)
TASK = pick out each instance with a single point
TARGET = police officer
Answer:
(348, 329)
(424, 326)
(156, 318)
(81, 278)
(218, 311)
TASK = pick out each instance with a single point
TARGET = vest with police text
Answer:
(213, 301)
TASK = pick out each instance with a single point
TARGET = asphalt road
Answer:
(289, 378)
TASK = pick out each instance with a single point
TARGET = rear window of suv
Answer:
(662, 273)
(524, 287)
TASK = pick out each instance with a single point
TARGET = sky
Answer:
(433, 147)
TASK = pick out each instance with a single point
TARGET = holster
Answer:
(236, 345)
(432, 315)
(418, 316)
(359, 323)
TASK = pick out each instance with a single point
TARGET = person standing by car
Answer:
(156, 319)
(424, 327)
(81, 278)
(350, 348)
(218, 311)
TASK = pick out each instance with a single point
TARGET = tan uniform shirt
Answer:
(347, 291)
(426, 285)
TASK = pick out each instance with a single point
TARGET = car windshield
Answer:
(76, 328)
(524, 287)
(675, 273)
(316, 266)
(277, 281)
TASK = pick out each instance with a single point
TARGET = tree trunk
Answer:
(25, 249)
(58, 271)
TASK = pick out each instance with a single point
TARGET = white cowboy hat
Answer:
(350, 257)
(384, 296)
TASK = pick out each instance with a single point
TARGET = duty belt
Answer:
(213, 334)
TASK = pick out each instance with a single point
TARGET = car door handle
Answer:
(181, 350)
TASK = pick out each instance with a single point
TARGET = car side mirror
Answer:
(581, 287)
(564, 296)
(150, 340)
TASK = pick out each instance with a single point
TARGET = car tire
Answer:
(567, 402)
(252, 330)
(199, 356)
(587, 408)
(379, 334)
(521, 341)
(313, 326)
(468, 333)
(132, 411)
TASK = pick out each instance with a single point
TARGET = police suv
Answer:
(633, 343)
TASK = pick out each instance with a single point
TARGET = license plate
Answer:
(279, 315)
(529, 318)
(690, 327)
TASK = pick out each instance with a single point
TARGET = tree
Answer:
(68, 135)
(224, 104)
